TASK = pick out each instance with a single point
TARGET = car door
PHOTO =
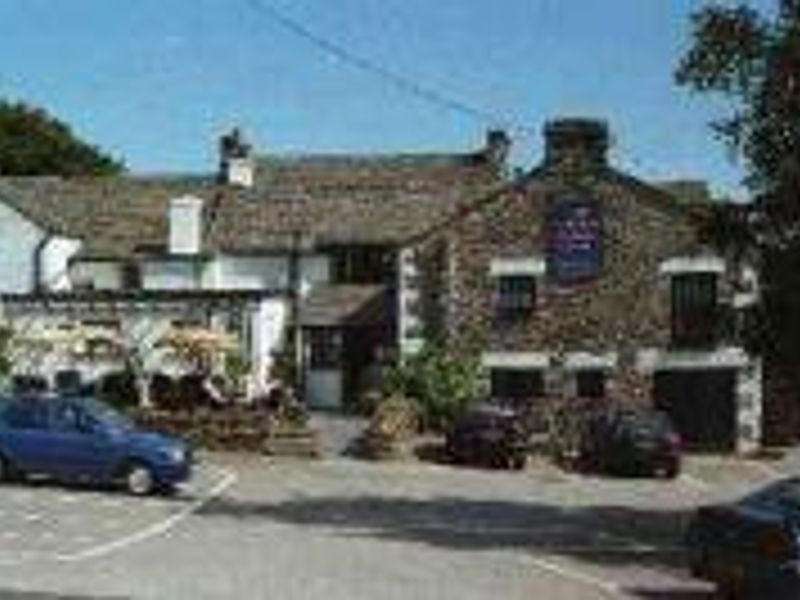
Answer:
(25, 434)
(79, 448)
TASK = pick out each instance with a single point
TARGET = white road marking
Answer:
(160, 528)
(610, 588)
(228, 478)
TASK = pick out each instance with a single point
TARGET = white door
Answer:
(324, 388)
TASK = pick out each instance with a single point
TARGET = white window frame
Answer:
(681, 265)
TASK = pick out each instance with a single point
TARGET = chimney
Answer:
(236, 166)
(185, 225)
(576, 142)
(498, 145)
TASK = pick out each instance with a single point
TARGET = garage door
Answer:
(701, 404)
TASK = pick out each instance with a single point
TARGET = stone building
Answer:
(268, 249)
(571, 280)
(579, 281)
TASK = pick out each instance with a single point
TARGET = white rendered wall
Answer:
(267, 331)
(55, 257)
(19, 239)
(266, 272)
(252, 272)
(171, 275)
(100, 275)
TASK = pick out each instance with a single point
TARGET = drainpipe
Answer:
(38, 268)
(294, 315)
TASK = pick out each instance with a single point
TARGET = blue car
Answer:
(750, 548)
(84, 440)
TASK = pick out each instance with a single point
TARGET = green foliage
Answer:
(32, 142)
(237, 367)
(283, 366)
(442, 383)
(752, 61)
(6, 365)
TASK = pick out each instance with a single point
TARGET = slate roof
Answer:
(344, 305)
(113, 215)
(330, 199)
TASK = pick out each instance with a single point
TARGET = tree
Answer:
(751, 59)
(32, 142)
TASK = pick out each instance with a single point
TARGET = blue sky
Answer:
(156, 81)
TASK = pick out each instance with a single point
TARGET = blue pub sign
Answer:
(574, 240)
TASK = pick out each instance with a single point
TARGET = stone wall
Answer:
(624, 310)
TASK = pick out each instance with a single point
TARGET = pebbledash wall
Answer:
(619, 319)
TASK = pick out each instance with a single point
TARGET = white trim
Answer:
(576, 361)
(500, 267)
(516, 360)
(748, 279)
(722, 358)
(692, 264)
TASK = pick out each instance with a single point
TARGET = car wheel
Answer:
(517, 463)
(668, 470)
(140, 480)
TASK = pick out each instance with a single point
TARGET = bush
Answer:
(441, 383)
(391, 429)
(237, 368)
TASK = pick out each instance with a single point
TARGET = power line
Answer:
(400, 82)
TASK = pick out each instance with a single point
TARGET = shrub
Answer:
(441, 383)
(391, 430)
(237, 368)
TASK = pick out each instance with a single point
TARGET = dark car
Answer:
(488, 435)
(750, 548)
(83, 440)
(631, 442)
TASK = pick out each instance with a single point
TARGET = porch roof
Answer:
(344, 306)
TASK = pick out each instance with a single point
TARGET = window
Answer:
(515, 297)
(66, 418)
(26, 414)
(590, 383)
(131, 276)
(516, 384)
(325, 346)
(694, 308)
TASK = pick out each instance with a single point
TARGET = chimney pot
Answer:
(236, 166)
(498, 145)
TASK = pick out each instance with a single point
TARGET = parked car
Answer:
(488, 435)
(631, 442)
(82, 439)
(750, 548)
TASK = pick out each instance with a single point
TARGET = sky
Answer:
(155, 82)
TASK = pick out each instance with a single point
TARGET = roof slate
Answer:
(331, 199)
